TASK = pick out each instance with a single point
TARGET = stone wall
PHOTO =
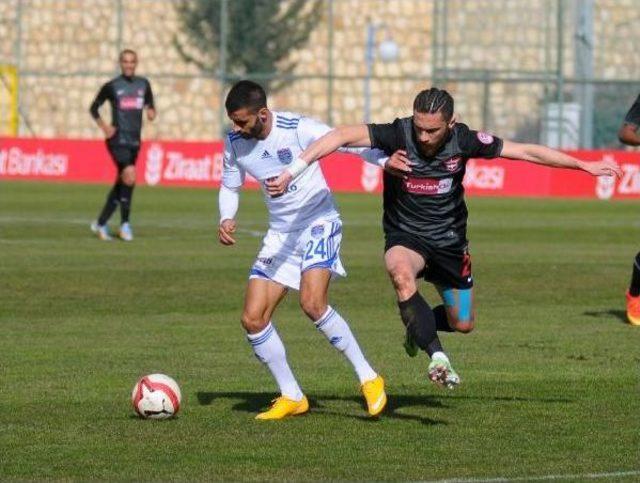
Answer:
(68, 48)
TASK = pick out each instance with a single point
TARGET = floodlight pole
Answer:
(369, 57)
(388, 53)
(584, 71)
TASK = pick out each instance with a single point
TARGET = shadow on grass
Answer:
(621, 315)
(254, 402)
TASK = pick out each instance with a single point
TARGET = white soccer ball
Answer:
(156, 396)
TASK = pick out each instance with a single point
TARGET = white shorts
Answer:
(285, 256)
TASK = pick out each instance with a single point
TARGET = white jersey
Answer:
(308, 197)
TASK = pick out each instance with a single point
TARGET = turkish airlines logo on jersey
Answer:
(427, 186)
(131, 103)
(452, 164)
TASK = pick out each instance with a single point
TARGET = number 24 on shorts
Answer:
(312, 249)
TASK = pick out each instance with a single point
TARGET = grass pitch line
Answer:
(583, 476)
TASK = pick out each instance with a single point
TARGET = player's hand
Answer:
(607, 167)
(225, 232)
(277, 185)
(109, 131)
(398, 164)
(151, 113)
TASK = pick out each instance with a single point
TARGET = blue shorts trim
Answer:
(259, 273)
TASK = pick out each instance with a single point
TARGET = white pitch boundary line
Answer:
(589, 476)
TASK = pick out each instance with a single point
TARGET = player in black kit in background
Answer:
(628, 134)
(425, 215)
(128, 95)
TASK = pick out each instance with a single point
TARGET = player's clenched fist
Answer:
(398, 164)
(225, 232)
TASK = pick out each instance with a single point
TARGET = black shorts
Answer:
(448, 267)
(123, 155)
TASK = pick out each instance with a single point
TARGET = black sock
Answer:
(110, 205)
(419, 320)
(442, 322)
(634, 288)
(126, 192)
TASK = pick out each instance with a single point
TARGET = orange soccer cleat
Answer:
(633, 309)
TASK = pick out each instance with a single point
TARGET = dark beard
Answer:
(256, 130)
(433, 150)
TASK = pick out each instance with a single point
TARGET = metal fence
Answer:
(558, 71)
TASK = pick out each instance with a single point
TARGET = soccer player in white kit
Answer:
(301, 249)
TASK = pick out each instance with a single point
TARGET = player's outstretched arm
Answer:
(352, 136)
(535, 153)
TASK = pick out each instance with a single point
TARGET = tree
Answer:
(260, 36)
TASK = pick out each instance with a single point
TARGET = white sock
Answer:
(337, 331)
(439, 355)
(269, 349)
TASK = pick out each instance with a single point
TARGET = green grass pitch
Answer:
(549, 376)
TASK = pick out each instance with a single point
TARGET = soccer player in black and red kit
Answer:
(425, 215)
(128, 95)
(629, 135)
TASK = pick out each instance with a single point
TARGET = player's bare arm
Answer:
(151, 113)
(535, 153)
(351, 136)
(356, 135)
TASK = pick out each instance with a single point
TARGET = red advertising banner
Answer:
(199, 164)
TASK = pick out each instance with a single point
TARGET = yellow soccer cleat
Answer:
(282, 407)
(633, 309)
(373, 392)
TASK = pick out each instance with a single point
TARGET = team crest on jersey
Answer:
(285, 156)
(140, 92)
(485, 138)
(317, 231)
(452, 164)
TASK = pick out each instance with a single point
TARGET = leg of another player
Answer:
(633, 294)
(457, 311)
(314, 289)
(261, 299)
(128, 179)
(99, 227)
(403, 266)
